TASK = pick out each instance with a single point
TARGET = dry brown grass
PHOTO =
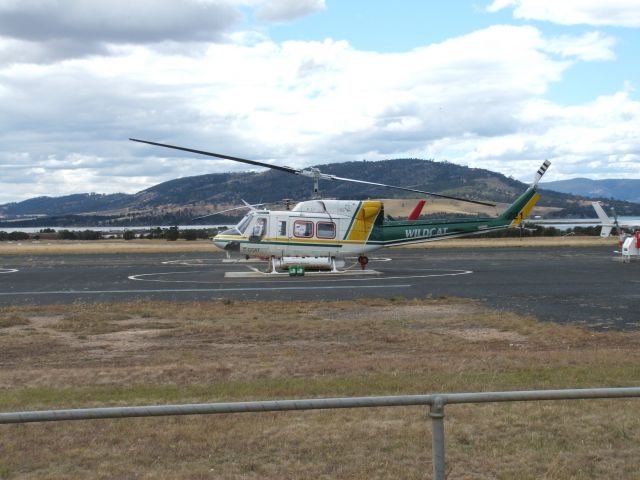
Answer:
(154, 352)
(71, 247)
(62, 247)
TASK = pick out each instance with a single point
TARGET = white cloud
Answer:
(598, 139)
(623, 13)
(589, 47)
(476, 99)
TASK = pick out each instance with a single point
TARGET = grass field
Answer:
(157, 353)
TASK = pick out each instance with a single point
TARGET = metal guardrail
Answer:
(436, 403)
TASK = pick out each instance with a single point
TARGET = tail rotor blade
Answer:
(541, 171)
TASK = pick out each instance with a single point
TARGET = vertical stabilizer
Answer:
(604, 218)
(605, 221)
(519, 210)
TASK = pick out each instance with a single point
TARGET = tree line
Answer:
(169, 234)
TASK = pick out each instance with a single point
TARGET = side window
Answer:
(303, 228)
(326, 230)
(282, 228)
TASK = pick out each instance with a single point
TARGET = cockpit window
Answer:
(242, 226)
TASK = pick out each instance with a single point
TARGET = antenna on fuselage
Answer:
(287, 203)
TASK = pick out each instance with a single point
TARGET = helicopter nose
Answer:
(226, 244)
(232, 246)
(219, 242)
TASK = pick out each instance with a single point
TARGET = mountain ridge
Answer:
(179, 200)
(618, 188)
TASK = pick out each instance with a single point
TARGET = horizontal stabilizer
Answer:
(415, 213)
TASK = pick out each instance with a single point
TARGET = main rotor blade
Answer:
(308, 173)
(249, 206)
(407, 189)
(219, 155)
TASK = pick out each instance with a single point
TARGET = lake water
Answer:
(562, 226)
(107, 229)
(595, 222)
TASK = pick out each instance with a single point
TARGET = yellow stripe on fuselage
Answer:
(363, 221)
(526, 210)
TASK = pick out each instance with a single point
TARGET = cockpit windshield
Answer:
(242, 226)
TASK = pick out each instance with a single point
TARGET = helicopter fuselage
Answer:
(339, 228)
(315, 228)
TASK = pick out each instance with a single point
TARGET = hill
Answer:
(67, 205)
(619, 189)
(178, 201)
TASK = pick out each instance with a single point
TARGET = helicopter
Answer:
(609, 224)
(629, 243)
(606, 223)
(320, 233)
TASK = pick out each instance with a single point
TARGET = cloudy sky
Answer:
(497, 84)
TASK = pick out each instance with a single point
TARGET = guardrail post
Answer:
(436, 412)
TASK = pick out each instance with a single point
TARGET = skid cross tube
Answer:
(436, 403)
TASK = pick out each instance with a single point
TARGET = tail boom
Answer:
(409, 232)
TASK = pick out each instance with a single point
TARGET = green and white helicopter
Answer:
(320, 233)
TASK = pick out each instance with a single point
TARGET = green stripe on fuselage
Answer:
(353, 219)
(399, 232)
(287, 243)
(403, 232)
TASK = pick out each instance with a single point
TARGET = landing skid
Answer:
(313, 266)
(255, 273)
(242, 260)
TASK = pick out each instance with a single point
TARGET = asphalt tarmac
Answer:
(566, 285)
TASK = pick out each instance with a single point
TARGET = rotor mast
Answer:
(315, 175)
